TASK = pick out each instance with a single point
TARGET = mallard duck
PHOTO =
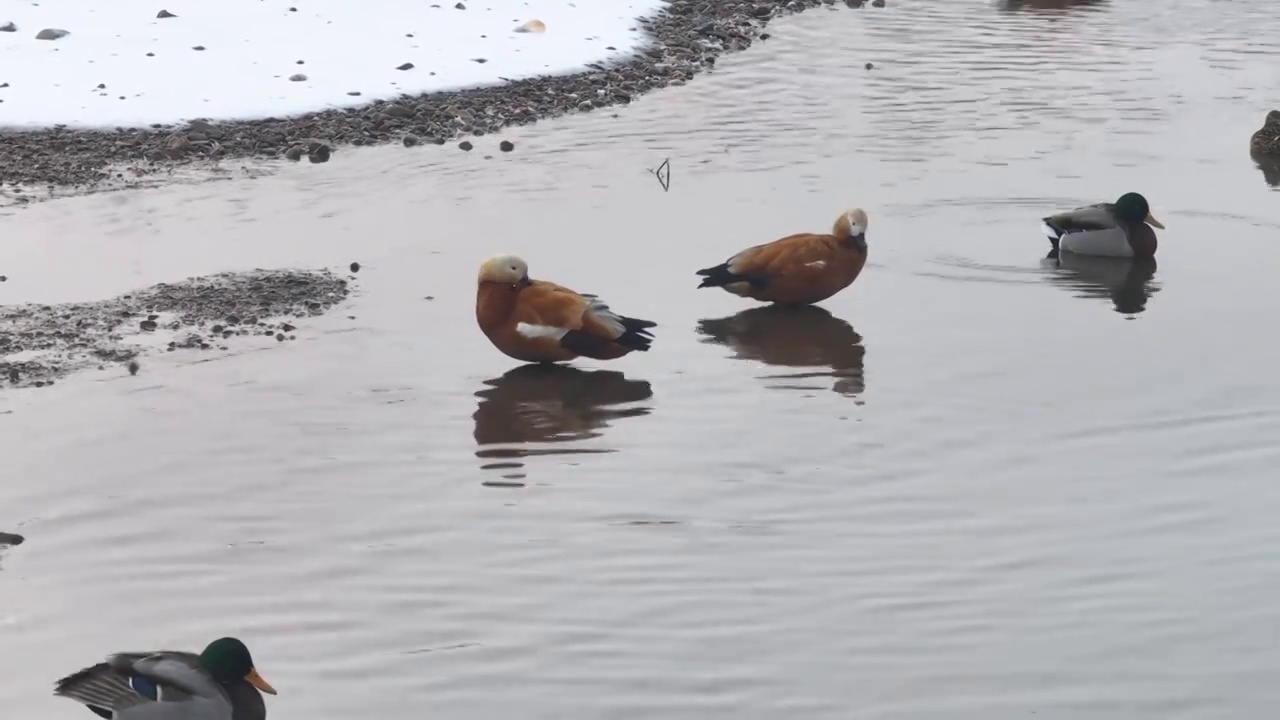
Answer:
(798, 269)
(218, 684)
(1118, 229)
(1267, 140)
(540, 321)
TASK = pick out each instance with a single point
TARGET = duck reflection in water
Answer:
(1127, 283)
(1050, 4)
(547, 403)
(804, 336)
(1270, 167)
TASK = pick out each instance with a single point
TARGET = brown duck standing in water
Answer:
(540, 321)
(798, 269)
(1267, 140)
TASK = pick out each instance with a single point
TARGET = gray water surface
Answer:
(974, 485)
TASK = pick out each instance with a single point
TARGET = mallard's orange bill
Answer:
(254, 679)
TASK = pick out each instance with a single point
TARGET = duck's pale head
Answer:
(228, 660)
(852, 223)
(504, 269)
(1132, 207)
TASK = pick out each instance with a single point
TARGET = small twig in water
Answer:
(663, 173)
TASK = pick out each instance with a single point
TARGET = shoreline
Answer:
(685, 38)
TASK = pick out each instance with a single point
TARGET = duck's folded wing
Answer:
(175, 675)
(1091, 217)
(782, 255)
(579, 322)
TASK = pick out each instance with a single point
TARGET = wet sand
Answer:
(990, 486)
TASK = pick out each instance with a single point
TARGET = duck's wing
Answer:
(1090, 217)
(759, 264)
(581, 323)
(130, 680)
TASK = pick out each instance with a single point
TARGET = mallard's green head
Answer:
(227, 660)
(1273, 118)
(1133, 208)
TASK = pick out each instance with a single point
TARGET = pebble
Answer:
(405, 66)
(506, 146)
(410, 140)
(355, 267)
(465, 145)
(11, 539)
(8, 27)
(133, 367)
(165, 14)
(297, 77)
(51, 34)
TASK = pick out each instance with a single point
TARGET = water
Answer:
(967, 487)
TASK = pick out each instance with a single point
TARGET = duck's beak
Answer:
(523, 282)
(254, 679)
(1153, 222)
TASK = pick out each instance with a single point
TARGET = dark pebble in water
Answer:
(506, 146)
(877, 3)
(198, 47)
(765, 36)
(8, 27)
(319, 154)
(216, 329)
(14, 376)
(295, 153)
(287, 327)
(151, 54)
(480, 60)
(133, 367)
(410, 140)
(165, 14)
(354, 93)
(102, 86)
(11, 539)
(3, 278)
(279, 337)
(355, 267)
(51, 34)
(405, 66)
(464, 145)
(869, 66)
(460, 6)
(147, 325)
(299, 77)
(293, 9)
(301, 62)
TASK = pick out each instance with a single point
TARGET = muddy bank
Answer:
(40, 343)
(687, 37)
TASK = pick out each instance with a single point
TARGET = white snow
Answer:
(252, 48)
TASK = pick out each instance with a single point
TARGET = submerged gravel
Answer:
(40, 343)
(687, 37)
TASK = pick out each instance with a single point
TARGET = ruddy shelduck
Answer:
(798, 269)
(542, 322)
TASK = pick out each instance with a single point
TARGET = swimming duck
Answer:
(1267, 140)
(540, 321)
(1118, 229)
(218, 684)
(798, 269)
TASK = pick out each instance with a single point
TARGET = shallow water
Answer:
(967, 487)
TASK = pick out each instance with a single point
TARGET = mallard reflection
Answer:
(1127, 283)
(801, 337)
(551, 404)
(1050, 4)
(1270, 167)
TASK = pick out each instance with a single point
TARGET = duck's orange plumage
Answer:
(798, 269)
(540, 321)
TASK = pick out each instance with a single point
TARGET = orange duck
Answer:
(540, 321)
(798, 269)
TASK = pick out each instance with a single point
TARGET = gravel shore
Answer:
(40, 343)
(687, 37)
